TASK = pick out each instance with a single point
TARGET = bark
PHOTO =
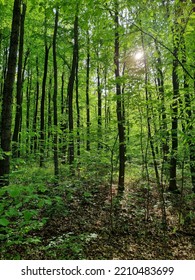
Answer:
(42, 120)
(174, 128)
(6, 117)
(1, 83)
(99, 132)
(77, 106)
(34, 143)
(189, 128)
(64, 122)
(174, 121)
(62, 93)
(163, 115)
(55, 118)
(28, 90)
(49, 116)
(87, 94)
(4, 69)
(120, 113)
(70, 93)
(18, 115)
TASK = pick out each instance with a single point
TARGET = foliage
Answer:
(130, 68)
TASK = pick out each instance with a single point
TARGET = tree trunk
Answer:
(189, 128)
(6, 117)
(87, 94)
(70, 93)
(18, 116)
(64, 122)
(28, 99)
(99, 132)
(55, 119)
(49, 117)
(34, 125)
(1, 82)
(42, 120)
(120, 113)
(163, 115)
(77, 106)
(174, 125)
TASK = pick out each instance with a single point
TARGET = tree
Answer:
(71, 89)
(6, 117)
(20, 72)
(174, 126)
(55, 137)
(120, 106)
(42, 119)
(87, 92)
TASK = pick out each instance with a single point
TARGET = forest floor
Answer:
(86, 225)
(122, 234)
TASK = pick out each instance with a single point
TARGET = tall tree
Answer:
(15, 139)
(42, 119)
(87, 92)
(28, 103)
(174, 121)
(163, 115)
(55, 119)
(77, 105)
(34, 143)
(99, 91)
(120, 106)
(43, 96)
(71, 90)
(6, 117)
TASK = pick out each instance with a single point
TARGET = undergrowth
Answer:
(72, 217)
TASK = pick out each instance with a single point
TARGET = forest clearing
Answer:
(97, 129)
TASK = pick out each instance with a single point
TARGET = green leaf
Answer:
(14, 192)
(29, 214)
(8, 153)
(12, 212)
(41, 203)
(48, 202)
(4, 222)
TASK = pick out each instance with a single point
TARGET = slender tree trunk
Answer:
(105, 100)
(189, 128)
(34, 139)
(1, 82)
(28, 103)
(120, 113)
(99, 132)
(6, 117)
(152, 146)
(42, 120)
(49, 116)
(15, 139)
(64, 122)
(70, 92)
(87, 94)
(55, 136)
(163, 115)
(174, 125)
(4, 69)
(77, 106)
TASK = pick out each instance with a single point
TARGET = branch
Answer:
(167, 48)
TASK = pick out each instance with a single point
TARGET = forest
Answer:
(97, 129)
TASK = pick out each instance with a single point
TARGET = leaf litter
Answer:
(94, 229)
